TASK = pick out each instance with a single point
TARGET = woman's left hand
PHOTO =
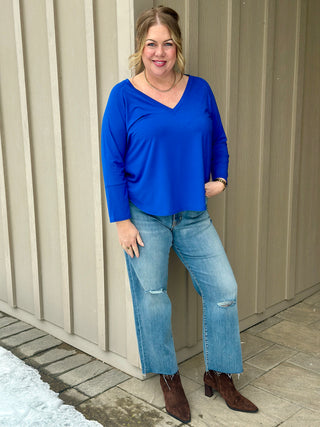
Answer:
(213, 188)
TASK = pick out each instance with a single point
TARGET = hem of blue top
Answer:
(173, 212)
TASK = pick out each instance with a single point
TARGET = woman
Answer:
(162, 138)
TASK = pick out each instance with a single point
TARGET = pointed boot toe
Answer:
(175, 399)
(223, 384)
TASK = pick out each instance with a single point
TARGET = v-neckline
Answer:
(159, 102)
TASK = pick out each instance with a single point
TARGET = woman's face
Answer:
(159, 53)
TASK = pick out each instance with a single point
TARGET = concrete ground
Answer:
(281, 376)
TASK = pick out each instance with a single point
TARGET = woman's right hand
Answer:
(129, 237)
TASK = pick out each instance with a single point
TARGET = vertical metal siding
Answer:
(62, 233)
(308, 230)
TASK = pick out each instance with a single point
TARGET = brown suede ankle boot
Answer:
(223, 384)
(175, 399)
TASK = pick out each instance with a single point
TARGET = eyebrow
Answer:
(169, 40)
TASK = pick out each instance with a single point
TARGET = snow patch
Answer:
(27, 401)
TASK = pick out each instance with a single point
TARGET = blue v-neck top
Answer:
(157, 157)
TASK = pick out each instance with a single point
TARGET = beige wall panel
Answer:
(243, 208)
(7, 289)
(213, 48)
(280, 146)
(264, 161)
(3, 272)
(296, 149)
(43, 155)
(4, 237)
(105, 18)
(14, 161)
(308, 229)
(96, 175)
(71, 42)
(3, 289)
(116, 281)
(213, 56)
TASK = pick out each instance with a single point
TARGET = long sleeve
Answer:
(113, 151)
(220, 155)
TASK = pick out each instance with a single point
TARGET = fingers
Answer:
(139, 240)
(128, 250)
(133, 250)
(136, 250)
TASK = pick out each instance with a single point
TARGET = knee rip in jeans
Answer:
(155, 291)
(226, 304)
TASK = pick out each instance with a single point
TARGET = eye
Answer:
(168, 44)
(151, 44)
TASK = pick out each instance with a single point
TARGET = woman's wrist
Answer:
(223, 181)
(123, 223)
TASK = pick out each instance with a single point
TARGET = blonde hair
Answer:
(157, 15)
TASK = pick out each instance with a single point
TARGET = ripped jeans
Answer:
(197, 244)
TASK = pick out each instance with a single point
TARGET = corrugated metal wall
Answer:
(60, 264)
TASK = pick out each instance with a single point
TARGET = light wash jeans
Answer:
(196, 242)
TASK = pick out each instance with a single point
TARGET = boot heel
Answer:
(208, 390)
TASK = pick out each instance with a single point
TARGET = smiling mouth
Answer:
(159, 63)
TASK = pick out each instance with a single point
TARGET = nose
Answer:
(159, 50)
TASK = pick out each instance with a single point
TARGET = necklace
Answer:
(160, 90)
